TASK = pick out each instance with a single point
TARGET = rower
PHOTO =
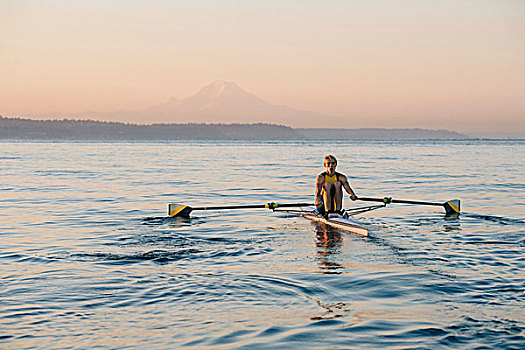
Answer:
(328, 189)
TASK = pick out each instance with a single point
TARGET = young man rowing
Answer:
(328, 189)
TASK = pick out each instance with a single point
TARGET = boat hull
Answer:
(333, 220)
(338, 222)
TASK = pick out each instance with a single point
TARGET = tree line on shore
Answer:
(68, 129)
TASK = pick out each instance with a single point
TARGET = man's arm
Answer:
(348, 189)
(318, 190)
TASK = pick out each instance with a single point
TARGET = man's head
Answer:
(330, 163)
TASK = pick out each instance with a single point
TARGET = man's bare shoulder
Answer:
(341, 177)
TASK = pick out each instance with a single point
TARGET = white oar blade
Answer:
(175, 209)
(452, 207)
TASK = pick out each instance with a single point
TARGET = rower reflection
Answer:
(329, 243)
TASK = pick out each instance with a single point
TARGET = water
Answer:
(90, 261)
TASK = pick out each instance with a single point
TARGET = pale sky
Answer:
(454, 64)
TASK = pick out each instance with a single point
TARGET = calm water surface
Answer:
(89, 259)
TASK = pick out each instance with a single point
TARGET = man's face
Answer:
(330, 165)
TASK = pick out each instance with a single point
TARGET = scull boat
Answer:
(307, 211)
(342, 222)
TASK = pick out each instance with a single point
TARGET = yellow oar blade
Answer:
(181, 210)
(452, 207)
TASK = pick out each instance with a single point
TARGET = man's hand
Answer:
(353, 197)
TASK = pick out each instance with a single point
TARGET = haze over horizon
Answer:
(456, 65)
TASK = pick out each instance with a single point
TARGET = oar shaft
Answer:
(452, 207)
(401, 201)
(229, 207)
(254, 206)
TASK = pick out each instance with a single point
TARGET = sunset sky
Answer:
(453, 64)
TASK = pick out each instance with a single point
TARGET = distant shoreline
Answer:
(67, 129)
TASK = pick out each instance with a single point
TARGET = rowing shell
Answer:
(333, 220)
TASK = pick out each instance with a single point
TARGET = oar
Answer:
(451, 207)
(184, 210)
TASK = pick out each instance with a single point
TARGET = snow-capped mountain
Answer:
(219, 102)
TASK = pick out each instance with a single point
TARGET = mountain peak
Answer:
(223, 84)
(218, 88)
(220, 94)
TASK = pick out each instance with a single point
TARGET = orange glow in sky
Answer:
(454, 64)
